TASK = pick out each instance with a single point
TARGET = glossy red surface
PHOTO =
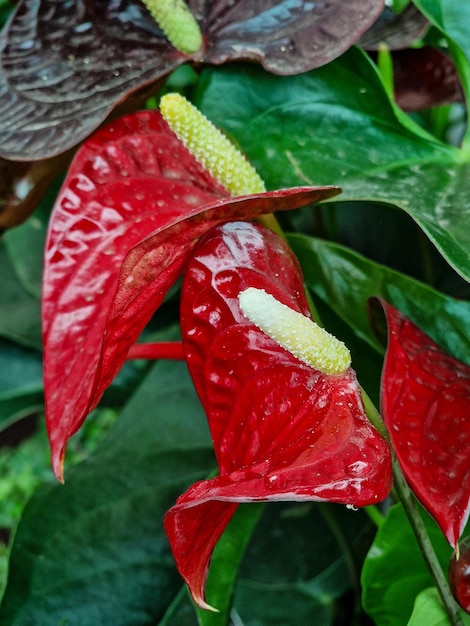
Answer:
(281, 429)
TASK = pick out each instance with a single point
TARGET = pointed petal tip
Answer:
(202, 604)
(58, 458)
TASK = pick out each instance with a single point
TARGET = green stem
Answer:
(408, 501)
(374, 515)
(410, 506)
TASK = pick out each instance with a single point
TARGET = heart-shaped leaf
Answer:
(282, 430)
(55, 54)
(133, 206)
(426, 407)
(378, 154)
(394, 571)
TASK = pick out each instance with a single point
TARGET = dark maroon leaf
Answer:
(285, 37)
(282, 430)
(133, 205)
(459, 574)
(65, 65)
(396, 30)
(426, 408)
(438, 79)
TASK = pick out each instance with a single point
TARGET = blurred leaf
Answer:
(94, 550)
(336, 125)
(20, 316)
(452, 19)
(394, 571)
(20, 383)
(52, 50)
(345, 280)
(438, 80)
(25, 246)
(23, 185)
(294, 570)
(396, 30)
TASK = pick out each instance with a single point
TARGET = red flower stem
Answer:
(411, 509)
(160, 350)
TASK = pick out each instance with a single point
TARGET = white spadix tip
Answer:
(293, 331)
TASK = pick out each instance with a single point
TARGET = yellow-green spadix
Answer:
(210, 147)
(298, 334)
(177, 23)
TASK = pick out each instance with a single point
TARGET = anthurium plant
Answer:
(241, 231)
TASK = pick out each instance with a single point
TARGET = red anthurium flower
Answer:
(132, 208)
(426, 407)
(282, 430)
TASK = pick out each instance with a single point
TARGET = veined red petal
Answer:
(131, 209)
(281, 429)
(426, 407)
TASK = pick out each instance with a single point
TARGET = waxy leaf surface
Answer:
(53, 55)
(426, 407)
(281, 429)
(133, 206)
(377, 153)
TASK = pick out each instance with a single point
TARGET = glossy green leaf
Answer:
(429, 610)
(394, 571)
(224, 564)
(94, 551)
(345, 280)
(336, 125)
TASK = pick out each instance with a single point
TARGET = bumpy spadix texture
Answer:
(178, 24)
(210, 147)
(297, 333)
(282, 430)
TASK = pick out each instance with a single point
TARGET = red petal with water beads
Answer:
(131, 209)
(459, 575)
(281, 429)
(426, 407)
